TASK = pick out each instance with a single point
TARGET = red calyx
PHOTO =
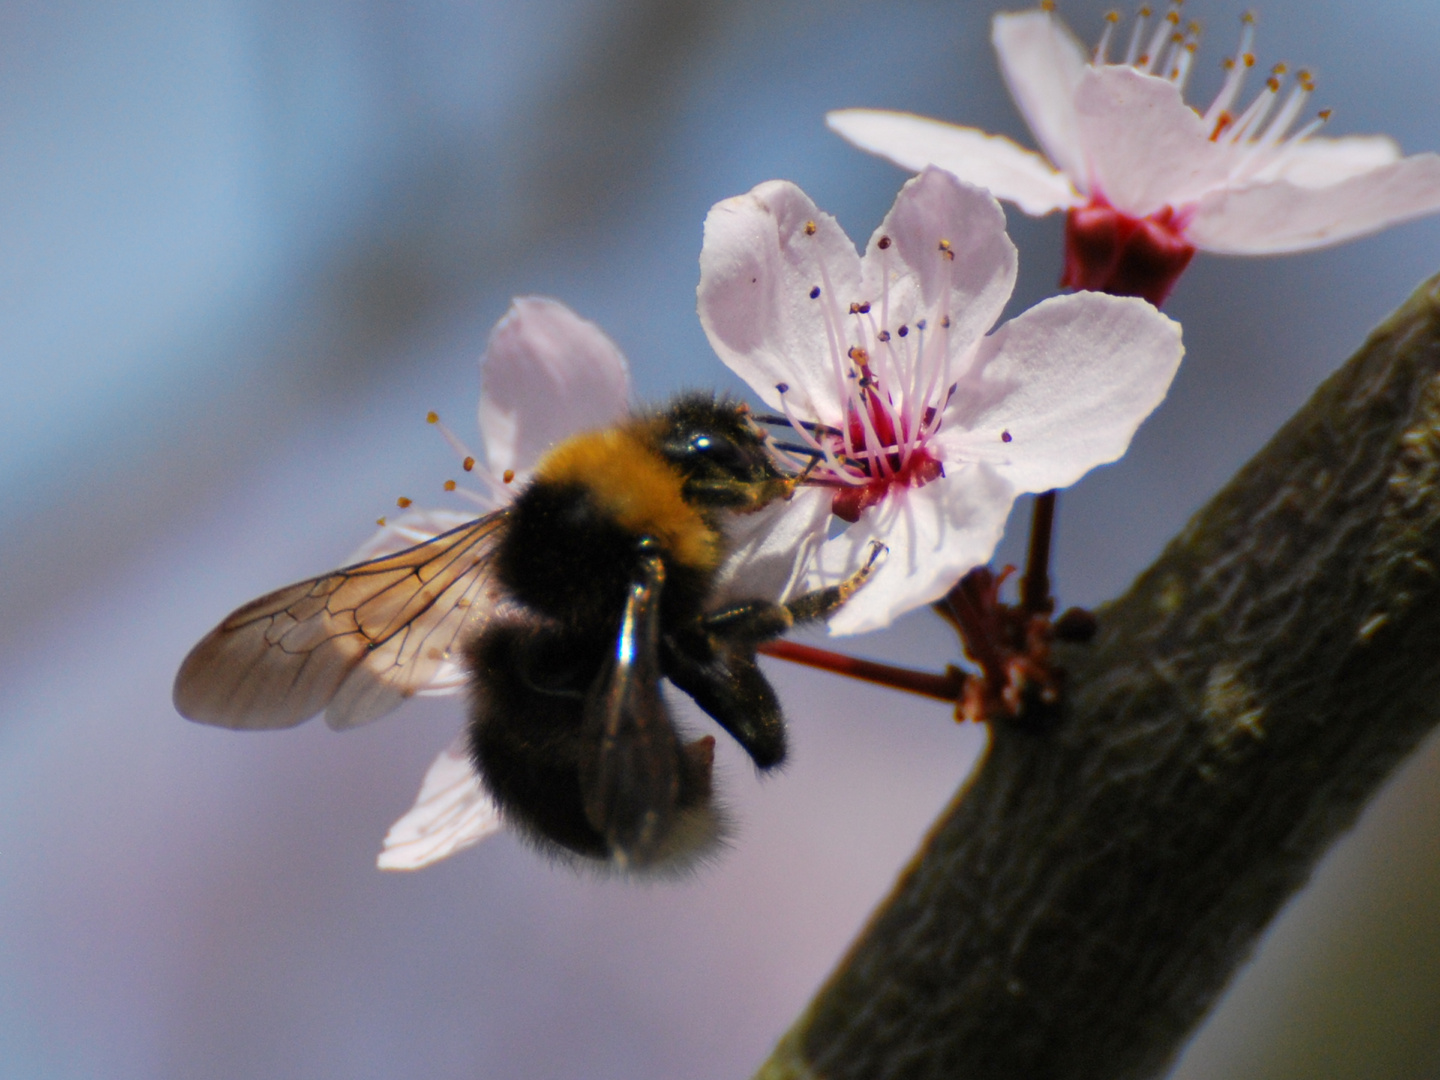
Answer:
(1107, 251)
(852, 501)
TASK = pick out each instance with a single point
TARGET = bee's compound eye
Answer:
(716, 449)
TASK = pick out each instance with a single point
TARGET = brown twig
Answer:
(946, 687)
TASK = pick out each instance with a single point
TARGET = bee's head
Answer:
(721, 453)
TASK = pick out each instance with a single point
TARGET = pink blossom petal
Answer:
(547, 373)
(988, 161)
(934, 535)
(1317, 162)
(451, 813)
(949, 257)
(1264, 219)
(1042, 64)
(1146, 148)
(1069, 382)
(768, 548)
(771, 264)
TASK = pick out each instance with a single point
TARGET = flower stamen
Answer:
(1163, 29)
(1132, 53)
(1102, 49)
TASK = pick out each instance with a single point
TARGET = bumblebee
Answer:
(568, 608)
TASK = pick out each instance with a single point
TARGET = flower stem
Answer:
(945, 687)
(1035, 595)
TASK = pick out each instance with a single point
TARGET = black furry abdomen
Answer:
(525, 730)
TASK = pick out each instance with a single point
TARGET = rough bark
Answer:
(1085, 899)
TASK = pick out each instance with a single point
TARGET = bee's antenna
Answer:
(796, 448)
(808, 425)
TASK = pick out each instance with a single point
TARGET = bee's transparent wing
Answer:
(452, 812)
(356, 642)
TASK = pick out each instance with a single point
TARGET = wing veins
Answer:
(279, 659)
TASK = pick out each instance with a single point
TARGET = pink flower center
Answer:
(893, 379)
(1111, 252)
(878, 473)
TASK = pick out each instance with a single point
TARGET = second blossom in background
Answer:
(1145, 179)
(925, 430)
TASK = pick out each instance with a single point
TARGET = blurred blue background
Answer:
(245, 245)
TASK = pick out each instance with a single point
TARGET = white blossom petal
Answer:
(1146, 147)
(1042, 64)
(935, 534)
(1281, 217)
(1069, 381)
(992, 162)
(452, 812)
(768, 548)
(1318, 162)
(765, 254)
(911, 279)
(547, 373)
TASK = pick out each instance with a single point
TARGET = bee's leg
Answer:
(752, 622)
(726, 682)
(822, 603)
(715, 663)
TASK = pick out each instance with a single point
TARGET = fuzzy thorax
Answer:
(637, 489)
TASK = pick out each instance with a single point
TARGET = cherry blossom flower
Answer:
(925, 430)
(546, 373)
(1146, 179)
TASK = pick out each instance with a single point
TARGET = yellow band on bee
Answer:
(637, 488)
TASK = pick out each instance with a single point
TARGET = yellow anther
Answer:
(1112, 16)
(1280, 69)
(1274, 84)
(1248, 19)
(1249, 59)
(449, 485)
(402, 502)
(809, 228)
(468, 464)
(1325, 114)
(508, 476)
(1173, 17)
(432, 418)
(380, 521)
(1047, 5)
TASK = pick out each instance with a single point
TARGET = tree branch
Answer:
(1085, 899)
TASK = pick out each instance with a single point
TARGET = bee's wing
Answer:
(630, 777)
(356, 642)
(452, 812)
